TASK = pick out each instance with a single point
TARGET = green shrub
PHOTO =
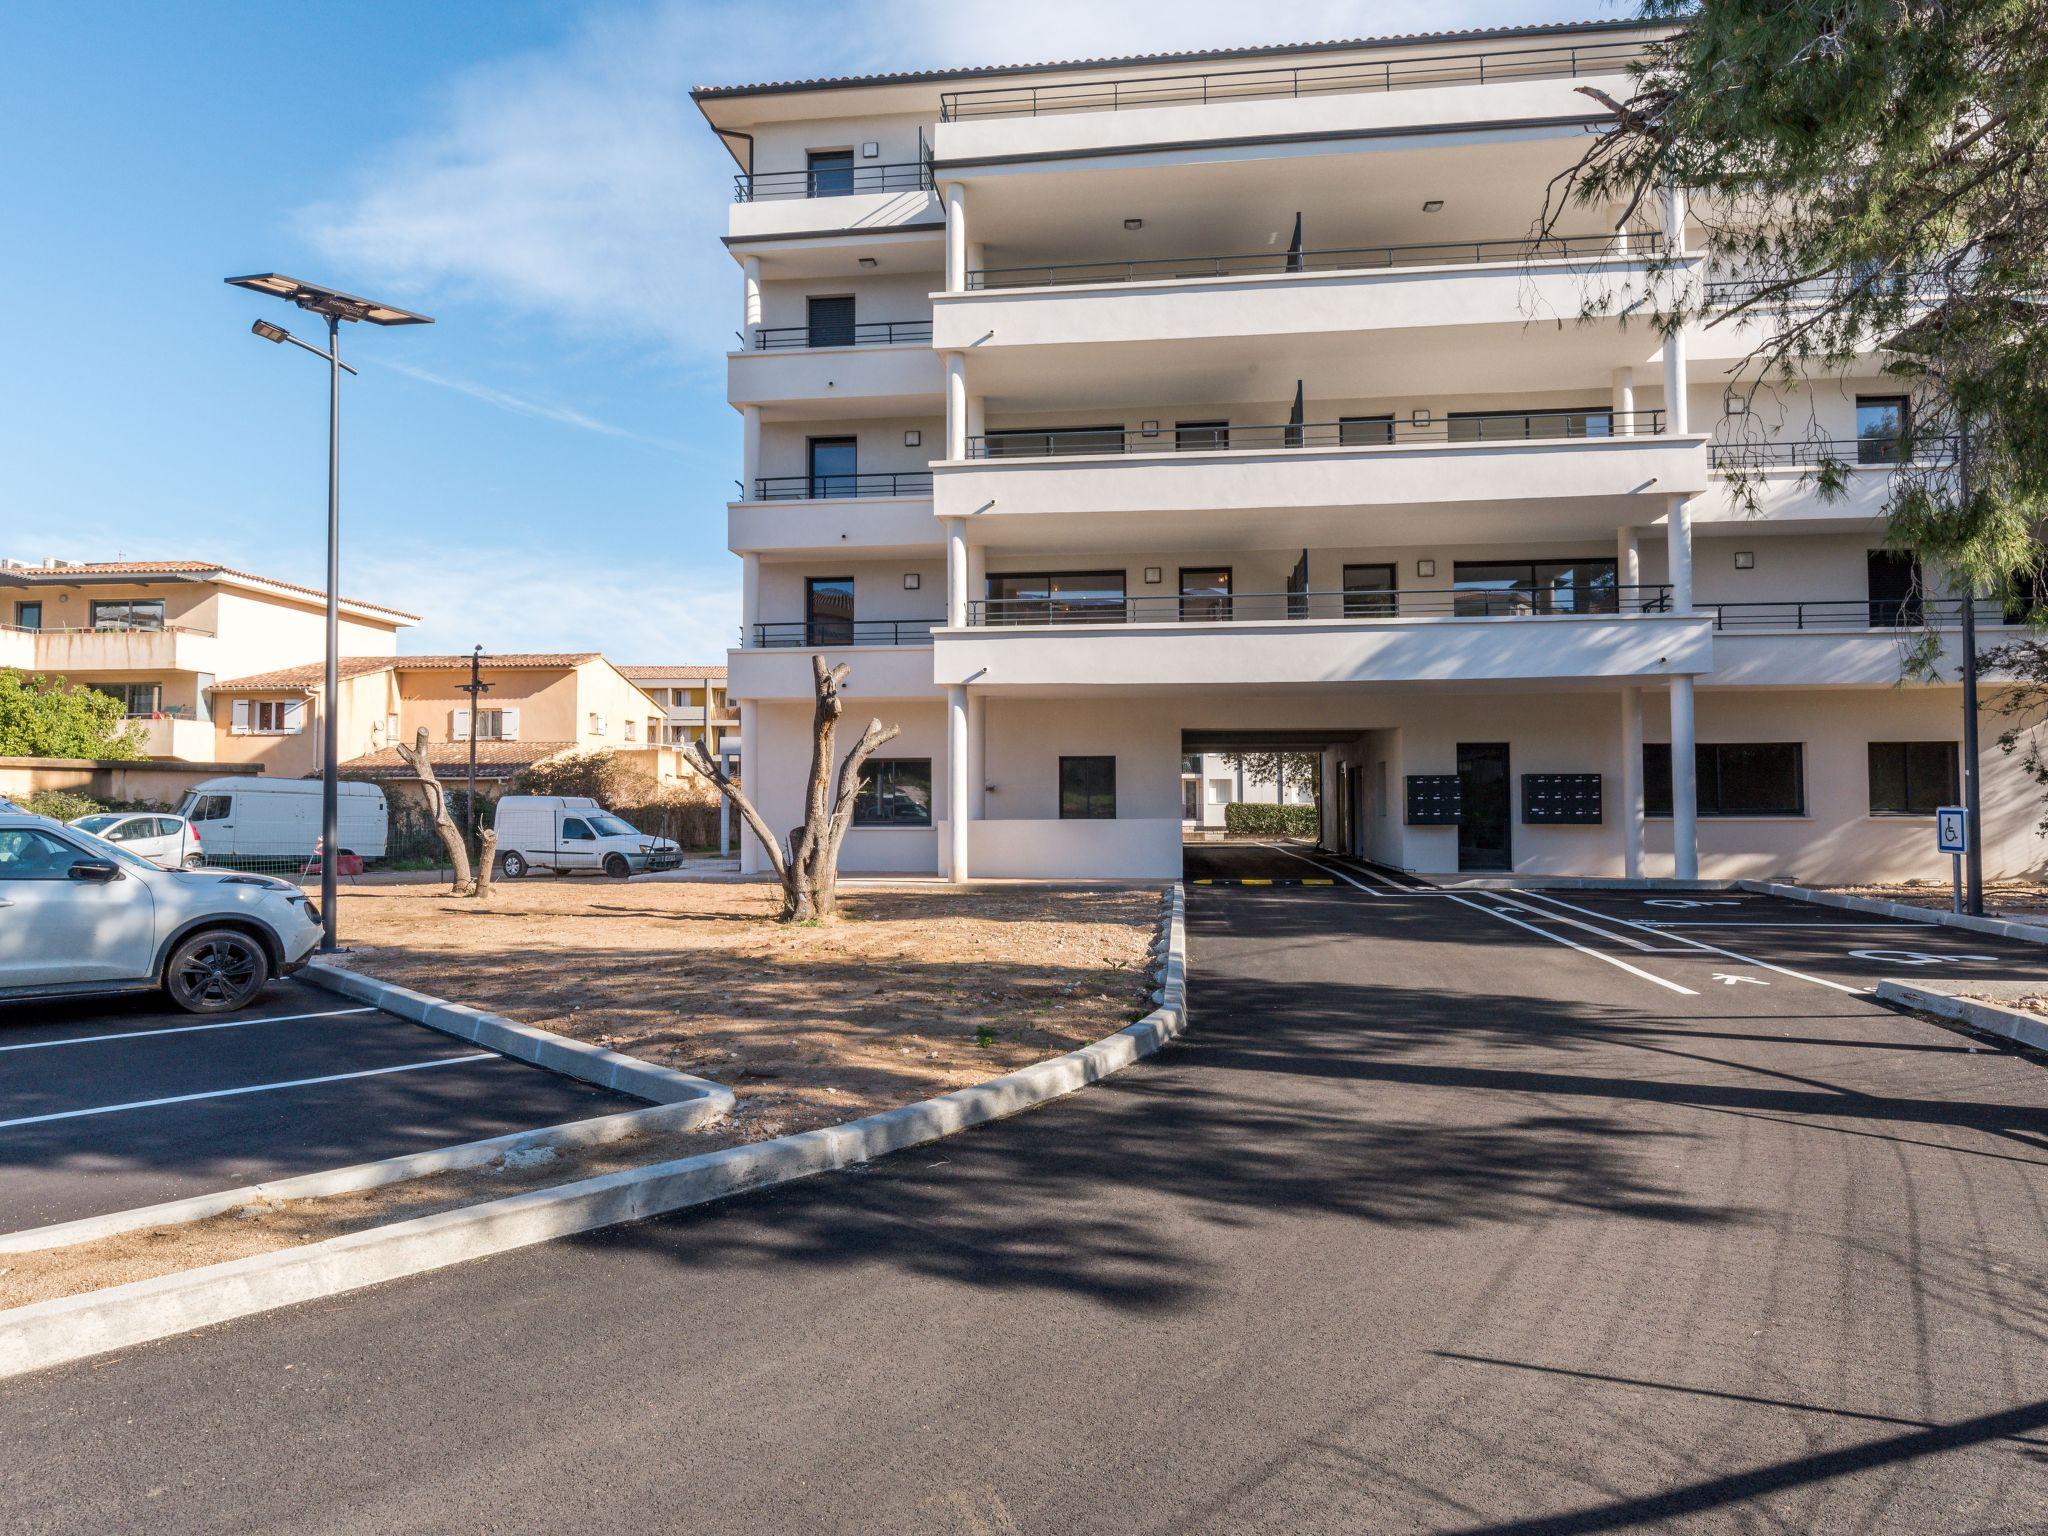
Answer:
(61, 804)
(1243, 820)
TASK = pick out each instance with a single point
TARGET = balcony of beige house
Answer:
(138, 648)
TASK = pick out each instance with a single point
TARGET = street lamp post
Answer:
(476, 688)
(334, 307)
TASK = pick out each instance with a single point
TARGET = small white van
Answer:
(280, 818)
(573, 832)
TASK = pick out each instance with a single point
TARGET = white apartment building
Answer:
(1102, 415)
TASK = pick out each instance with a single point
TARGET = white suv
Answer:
(81, 916)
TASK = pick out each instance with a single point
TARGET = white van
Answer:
(280, 818)
(572, 832)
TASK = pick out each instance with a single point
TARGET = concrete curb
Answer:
(539, 1047)
(1992, 1018)
(74, 1327)
(683, 1115)
(1998, 927)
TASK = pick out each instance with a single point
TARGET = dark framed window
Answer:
(1365, 431)
(1765, 778)
(894, 792)
(1087, 789)
(834, 466)
(137, 699)
(1496, 587)
(129, 613)
(1204, 594)
(576, 830)
(1894, 586)
(1505, 426)
(1055, 597)
(828, 610)
(1370, 592)
(829, 320)
(829, 172)
(1038, 442)
(28, 615)
(1192, 435)
(1913, 778)
(1882, 422)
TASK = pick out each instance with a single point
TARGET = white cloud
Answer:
(519, 405)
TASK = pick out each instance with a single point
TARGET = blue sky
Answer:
(546, 467)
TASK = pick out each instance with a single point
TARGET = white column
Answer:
(750, 451)
(956, 779)
(1624, 402)
(956, 237)
(1675, 414)
(956, 406)
(1678, 553)
(977, 573)
(1628, 559)
(751, 862)
(750, 269)
(750, 596)
(1631, 796)
(956, 571)
(1674, 218)
(977, 416)
(1685, 831)
(977, 756)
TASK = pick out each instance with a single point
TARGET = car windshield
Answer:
(611, 826)
(101, 848)
(98, 823)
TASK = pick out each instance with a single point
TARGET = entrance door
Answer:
(1483, 833)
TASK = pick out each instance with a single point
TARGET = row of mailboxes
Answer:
(1548, 800)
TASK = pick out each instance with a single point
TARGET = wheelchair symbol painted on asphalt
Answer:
(1687, 905)
(1916, 957)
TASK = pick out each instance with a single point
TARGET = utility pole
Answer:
(1973, 853)
(476, 688)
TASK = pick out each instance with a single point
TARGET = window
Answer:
(1365, 431)
(1034, 442)
(828, 610)
(28, 615)
(1881, 424)
(834, 466)
(1191, 762)
(1058, 597)
(1495, 587)
(1369, 592)
(829, 172)
(1199, 435)
(209, 808)
(829, 320)
(1496, 426)
(1894, 587)
(29, 854)
(576, 830)
(1912, 778)
(134, 613)
(492, 724)
(268, 717)
(894, 792)
(631, 731)
(1087, 789)
(597, 724)
(1735, 778)
(137, 699)
(1204, 594)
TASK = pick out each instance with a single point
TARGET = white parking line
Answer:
(226, 1093)
(181, 1029)
(1702, 944)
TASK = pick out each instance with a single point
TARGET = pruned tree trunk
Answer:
(808, 866)
(487, 857)
(415, 757)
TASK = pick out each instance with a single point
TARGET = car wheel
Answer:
(195, 861)
(616, 866)
(514, 866)
(216, 970)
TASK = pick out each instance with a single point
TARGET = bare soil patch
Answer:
(2023, 900)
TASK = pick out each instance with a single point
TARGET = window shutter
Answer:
(294, 716)
(240, 725)
(508, 724)
(458, 725)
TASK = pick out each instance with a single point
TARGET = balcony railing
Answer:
(1813, 452)
(1333, 259)
(831, 181)
(868, 333)
(1358, 432)
(1271, 607)
(915, 482)
(822, 632)
(1391, 74)
(1848, 613)
(112, 627)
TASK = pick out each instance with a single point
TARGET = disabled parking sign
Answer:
(1951, 830)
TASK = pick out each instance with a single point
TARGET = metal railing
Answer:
(867, 333)
(831, 181)
(915, 482)
(111, 627)
(1271, 607)
(1726, 292)
(1391, 74)
(1847, 613)
(1813, 452)
(808, 632)
(1361, 432)
(1333, 259)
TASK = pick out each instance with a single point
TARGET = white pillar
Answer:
(750, 596)
(1678, 553)
(956, 238)
(1685, 831)
(1628, 558)
(1674, 218)
(1624, 402)
(956, 779)
(751, 862)
(977, 573)
(1631, 796)
(1675, 414)
(956, 406)
(750, 269)
(977, 756)
(750, 451)
(956, 571)
(977, 416)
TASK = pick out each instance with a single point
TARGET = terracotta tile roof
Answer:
(494, 759)
(310, 675)
(313, 673)
(59, 574)
(687, 671)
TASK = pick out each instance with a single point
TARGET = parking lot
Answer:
(113, 1104)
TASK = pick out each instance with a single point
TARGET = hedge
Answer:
(1245, 820)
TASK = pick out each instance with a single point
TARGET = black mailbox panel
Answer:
(1433, 800)
(1561, 799)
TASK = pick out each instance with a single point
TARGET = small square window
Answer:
(1088, 789)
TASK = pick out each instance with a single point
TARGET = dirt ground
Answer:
(2022, 899)
(916, 991)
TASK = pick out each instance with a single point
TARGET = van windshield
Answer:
(606, 825)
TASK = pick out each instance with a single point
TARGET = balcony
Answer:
(1785, 479)
(819, 514)
(1839, 642)
(781, 673)
(1482, 474)
(812, 634)
(870, 376)
(173, 648)
(833, 181)
(176, 737)
(864, 333)
(831, 199)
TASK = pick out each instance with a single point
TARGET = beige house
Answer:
(539, 706)
(157, 633)
(693, 702)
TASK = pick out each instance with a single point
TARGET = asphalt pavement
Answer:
(115, 1103)
(1451, 1213)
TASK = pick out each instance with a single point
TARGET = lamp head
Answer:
(269, 332)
